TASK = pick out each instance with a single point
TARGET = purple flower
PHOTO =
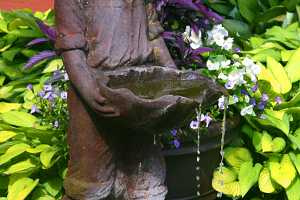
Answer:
(244, 92)
(229, 85)
(49, 96)
(278, 100)
(237, 50)
(48, 87)
(42, 93)
(253, 102)
(254, 88)
(176, 143)
(37, 41)
(264, 97)
(206, 118)
(194, 125)
(47, 30)
(44, 55)
(174, 132)
(261, 105)
(34, 109)
(64, 95)
(29, 86)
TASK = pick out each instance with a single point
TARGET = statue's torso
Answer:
(116, 33)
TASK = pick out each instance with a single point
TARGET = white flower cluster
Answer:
(219, 36)
(192, 37)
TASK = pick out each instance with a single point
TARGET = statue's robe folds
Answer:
(103, 163)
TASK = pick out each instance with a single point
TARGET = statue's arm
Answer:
(71, 44)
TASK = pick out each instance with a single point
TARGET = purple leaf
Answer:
(44, 55)
(47, 30)
(37, 41)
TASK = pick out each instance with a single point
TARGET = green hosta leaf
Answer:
(237, 27)
(47, 157)
(284, 172)
(6, 92)
(22, 119)
(20, 167)
(13, 152)
(226, 182)
(292, 67)
(257, 141)
(280, 75)
(6, 135)
(292, 192)
(11, 53)
(294, 102)
(3, 183)
(265, 182)
(20, 188)
(236, 156)
(53, 186)
(5, 107)
(248, 176)
(248, 9)
(277, 119)
(296, 160)
(272, 13)
(262, 55)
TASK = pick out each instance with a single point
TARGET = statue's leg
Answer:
(142, 170)
(91, 167)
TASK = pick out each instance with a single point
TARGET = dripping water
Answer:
(223, 131)
(198, 112)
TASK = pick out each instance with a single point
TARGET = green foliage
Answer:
(32, 151)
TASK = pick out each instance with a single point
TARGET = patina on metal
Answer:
(124, 88)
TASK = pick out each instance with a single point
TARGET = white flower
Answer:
(252, 69)
(194, 125)
(225, 63)
(222, 76)
(228, 43)
(247, 111)
(187, 33)
(247, 62)
(212, 66)
(195, 39)
(235, 99)
(237, 77)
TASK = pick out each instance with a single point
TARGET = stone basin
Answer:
(153, 99)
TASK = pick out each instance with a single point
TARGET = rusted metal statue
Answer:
(110, 49)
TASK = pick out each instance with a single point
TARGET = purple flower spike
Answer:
(244, 92)
(174, 132)
(176, 143)
(237, 50)
(34, 109)
(44, 55)
(254, 88)
(253, 102)
(37, 41)
(194, 125)
(47, 30)
(64, 95)
(29, 87)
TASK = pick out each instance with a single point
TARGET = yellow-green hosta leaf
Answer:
(20, 188)
(6, 135)
(292, 192)
(280, 75)
(266, 142)
(22, 119)
(54, 65)
(278, 145)
(284, 172)
(257, 140)
(265, 183)
(266, 75)
(47, 157)
(13, 152)
(20, 167)
(53, 185)
(248, 176)
(236, 156)
(278, 119)
(286, 55)
(292, 67)
(226, 182)
(5, 107)
(38, 149)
